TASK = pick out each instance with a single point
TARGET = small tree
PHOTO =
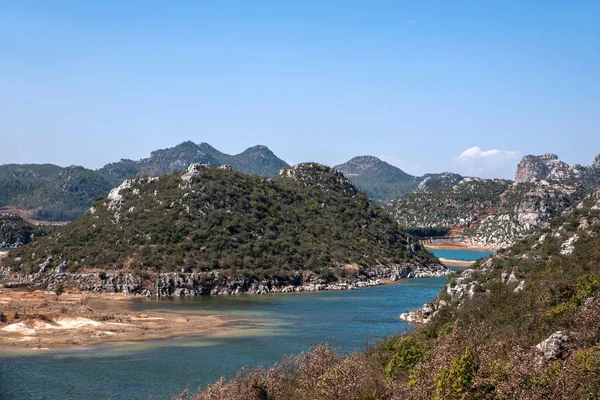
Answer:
(59, 289)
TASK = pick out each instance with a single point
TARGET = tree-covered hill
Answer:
(308, 219)
(378, 179)
(383, 182)
(51, 192)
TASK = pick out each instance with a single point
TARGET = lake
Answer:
(264, 328)
(462, 255)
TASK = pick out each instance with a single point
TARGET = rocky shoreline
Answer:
(205, 283)
(96, 306)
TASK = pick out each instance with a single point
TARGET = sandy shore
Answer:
(40, 320)
(456, 263)
(455, 246)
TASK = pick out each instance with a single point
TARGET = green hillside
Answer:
(309, 218)
(53, 193)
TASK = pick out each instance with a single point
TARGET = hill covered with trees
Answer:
(50, 192)
(383, 182)
(307, 224)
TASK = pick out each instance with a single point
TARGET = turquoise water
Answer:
(463, 255)
(266, 327)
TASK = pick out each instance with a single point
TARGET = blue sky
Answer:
(417, 83)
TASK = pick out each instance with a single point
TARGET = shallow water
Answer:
(266, 327)
(462, 255)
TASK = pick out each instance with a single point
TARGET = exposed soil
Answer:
(42, 320)
(456, 263)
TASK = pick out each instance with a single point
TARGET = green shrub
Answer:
(406, 352)
(457, 379)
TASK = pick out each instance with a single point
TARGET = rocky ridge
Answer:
(183, 283)
(549, 167)
(438, 181)
(524, 209)
(457, 206)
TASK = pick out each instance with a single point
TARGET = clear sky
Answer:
(417, 83)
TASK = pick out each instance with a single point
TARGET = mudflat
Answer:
(43, 320)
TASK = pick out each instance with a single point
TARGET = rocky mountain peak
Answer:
(546, 166)
(258, 148)
(549, 156)
(549, 167)
(257, 151)
(318, 175)
(379, 180)
(208, 149)
(365, 161)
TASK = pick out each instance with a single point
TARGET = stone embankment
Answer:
(205, 283)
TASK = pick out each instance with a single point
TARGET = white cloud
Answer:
(487, 163)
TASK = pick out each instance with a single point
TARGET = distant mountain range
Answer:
(52, 193)
(256, 160)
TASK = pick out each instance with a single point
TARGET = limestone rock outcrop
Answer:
(552, 347)
(549, 167)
